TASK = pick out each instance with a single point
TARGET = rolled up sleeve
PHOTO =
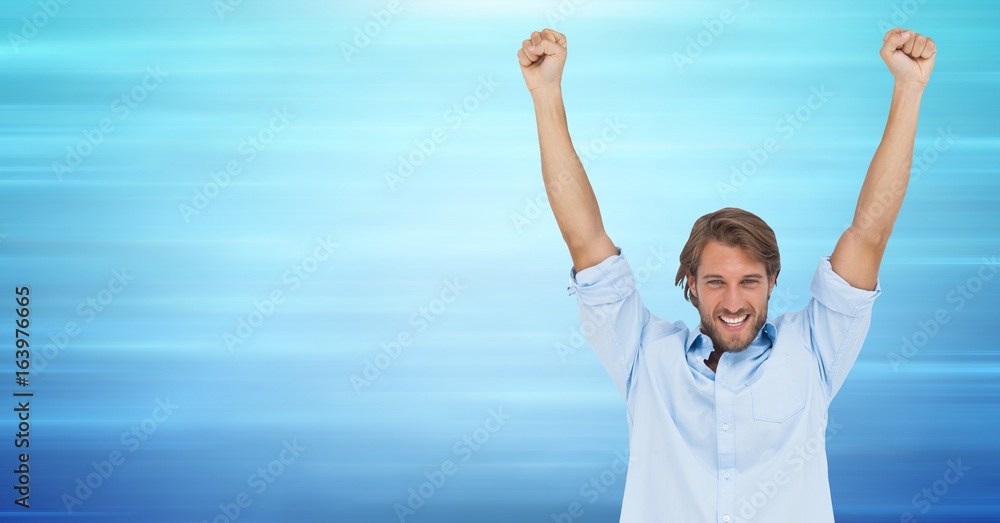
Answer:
(612, 316)
(839, 316)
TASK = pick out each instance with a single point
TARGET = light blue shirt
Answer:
(745, 443)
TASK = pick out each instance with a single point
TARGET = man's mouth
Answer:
(734, 323)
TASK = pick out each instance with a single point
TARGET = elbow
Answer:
(875, 237)
(583, 241)
(582, 235)
(590, 251)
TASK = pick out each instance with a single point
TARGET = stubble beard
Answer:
(724, 341)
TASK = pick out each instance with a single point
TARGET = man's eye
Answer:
(714, 282)
(750, 281)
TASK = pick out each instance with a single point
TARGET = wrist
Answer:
(550, 93)
(909, 88)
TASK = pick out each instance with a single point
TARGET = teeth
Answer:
(734, 321)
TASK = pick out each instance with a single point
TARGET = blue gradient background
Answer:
(497, 344)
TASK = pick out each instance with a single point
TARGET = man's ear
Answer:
(691, 284)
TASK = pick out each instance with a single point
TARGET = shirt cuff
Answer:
(607, 282)
(836, 294)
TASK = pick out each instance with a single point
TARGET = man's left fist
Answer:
(909, 55)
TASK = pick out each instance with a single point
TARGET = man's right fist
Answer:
(542, 58)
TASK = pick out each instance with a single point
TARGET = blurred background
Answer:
(293, 261)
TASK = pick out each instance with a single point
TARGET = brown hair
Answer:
(735, 228)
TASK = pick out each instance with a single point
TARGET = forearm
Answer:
(858, 254)
(569, 192)
(889, 172)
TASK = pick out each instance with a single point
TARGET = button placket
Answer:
(725, 431)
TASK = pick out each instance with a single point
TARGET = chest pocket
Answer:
(777, 394)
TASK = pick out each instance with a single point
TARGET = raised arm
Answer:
(542, 58)
(858, 255)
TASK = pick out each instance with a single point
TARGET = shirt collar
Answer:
(701, 345)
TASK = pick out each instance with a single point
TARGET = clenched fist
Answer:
(542, 59)
(909, 55)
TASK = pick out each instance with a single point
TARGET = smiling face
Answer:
(732, 290)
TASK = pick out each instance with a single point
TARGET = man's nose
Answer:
(732, 301)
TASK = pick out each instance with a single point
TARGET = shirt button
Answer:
(727, 475)
(725, 518)
(725, 426)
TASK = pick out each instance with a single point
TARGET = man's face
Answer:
(732, 290)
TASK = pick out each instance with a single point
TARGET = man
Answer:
(727, 423)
